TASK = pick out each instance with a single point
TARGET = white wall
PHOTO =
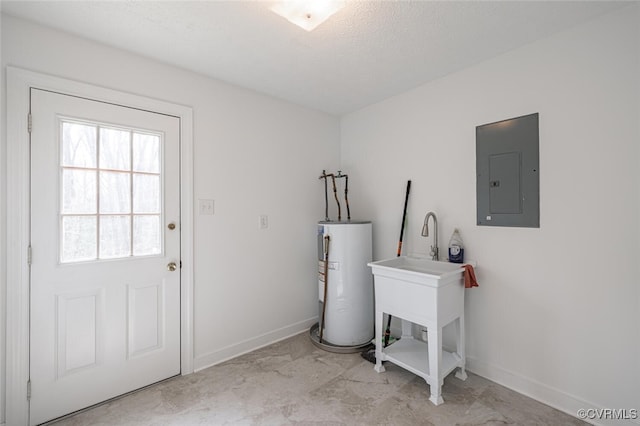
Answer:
(557, 313)
(253, 155)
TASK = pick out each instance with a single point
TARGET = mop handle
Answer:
(404, 217)
(387, 332)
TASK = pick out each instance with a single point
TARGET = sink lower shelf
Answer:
(412, 355)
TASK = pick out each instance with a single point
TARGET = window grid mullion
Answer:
(131, 195)
(108, 170)
(98, 192)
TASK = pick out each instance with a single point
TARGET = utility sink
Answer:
(417, 269)
(425, 292)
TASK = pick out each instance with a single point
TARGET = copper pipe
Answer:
(335, 194)
(346, 192)
(326, 196)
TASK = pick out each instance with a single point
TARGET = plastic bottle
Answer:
(456, 249)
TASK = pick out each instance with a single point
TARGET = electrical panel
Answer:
(508, 173)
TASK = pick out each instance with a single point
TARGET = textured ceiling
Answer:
(366, 52)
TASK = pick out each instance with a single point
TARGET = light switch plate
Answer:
(205, 207)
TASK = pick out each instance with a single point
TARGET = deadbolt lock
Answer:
(171, 226)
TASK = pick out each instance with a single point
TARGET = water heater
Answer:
(348, 314)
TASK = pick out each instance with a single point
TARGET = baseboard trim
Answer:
(545, 394)
(228, 352)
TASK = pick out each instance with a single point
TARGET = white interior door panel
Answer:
(105, 238)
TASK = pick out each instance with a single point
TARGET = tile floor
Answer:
(294, 383)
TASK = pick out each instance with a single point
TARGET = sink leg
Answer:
(378, 339)
(434, 342)
(436, 395)
(436, 399)
(461, 374)
(459, 323)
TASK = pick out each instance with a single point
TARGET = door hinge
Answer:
(29, 255)
(28, 390)
(29, 122)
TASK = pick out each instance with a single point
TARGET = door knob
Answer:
(171, 226)
(172, 266)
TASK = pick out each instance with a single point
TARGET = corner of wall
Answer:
(3, 277)
(240, 348)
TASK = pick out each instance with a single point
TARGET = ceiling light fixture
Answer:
(307, 14)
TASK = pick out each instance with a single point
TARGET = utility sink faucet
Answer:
(425, 233)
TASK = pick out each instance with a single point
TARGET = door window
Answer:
(111, 186)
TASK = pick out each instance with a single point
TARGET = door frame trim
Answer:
(19, 83)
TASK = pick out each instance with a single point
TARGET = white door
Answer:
(105, 238)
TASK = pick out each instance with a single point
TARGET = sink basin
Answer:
(417, 269)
